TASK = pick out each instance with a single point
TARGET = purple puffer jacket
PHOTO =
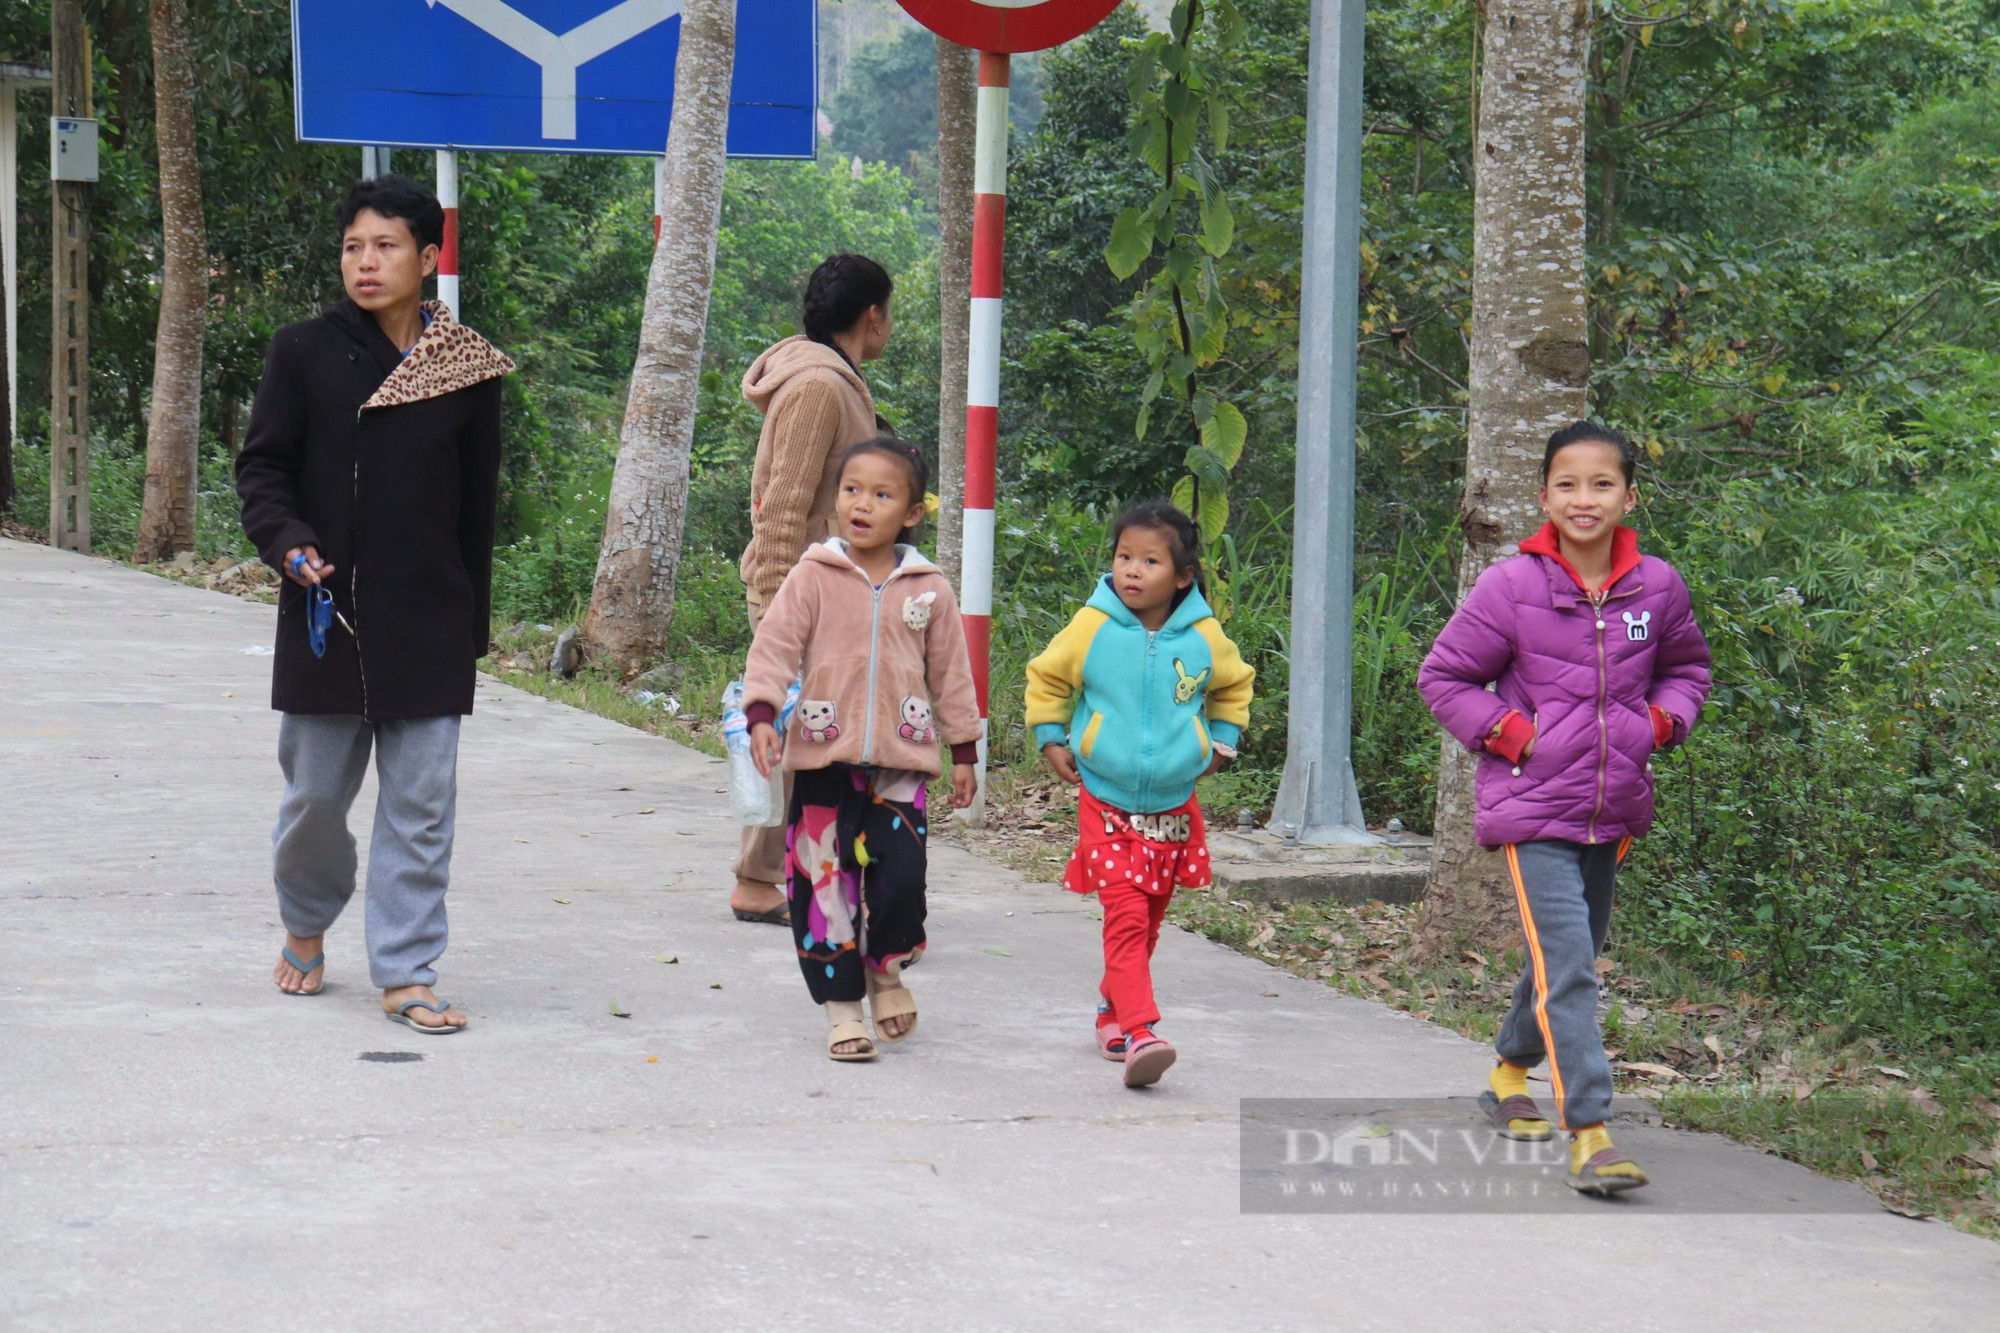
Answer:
(1584, 674)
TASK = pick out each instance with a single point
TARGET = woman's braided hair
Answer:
(839, 292)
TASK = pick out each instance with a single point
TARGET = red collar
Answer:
(1624, 554)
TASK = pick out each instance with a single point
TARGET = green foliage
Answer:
(1832, 829)
(1180, 318)
(118, 490)
(886, 107)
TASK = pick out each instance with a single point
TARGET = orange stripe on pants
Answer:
(1541, 982)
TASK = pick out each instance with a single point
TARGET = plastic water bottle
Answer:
(751, 796)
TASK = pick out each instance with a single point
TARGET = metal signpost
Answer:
(996, 29)
(1317, 799)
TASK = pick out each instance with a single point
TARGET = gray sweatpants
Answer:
(409, 853)
(1563, 890)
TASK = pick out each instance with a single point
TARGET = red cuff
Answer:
(965, 752)
(1663, 726)
(761, 712)
(1515, 733)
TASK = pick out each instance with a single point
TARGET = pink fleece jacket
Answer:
(886, 671)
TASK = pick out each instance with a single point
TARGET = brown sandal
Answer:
(890, 999)
(1503, 1112)
(844, 1025)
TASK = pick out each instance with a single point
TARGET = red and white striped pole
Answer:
(982, 389)
(447, 174)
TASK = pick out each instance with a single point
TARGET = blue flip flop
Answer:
(402, 1015)
(305, 970)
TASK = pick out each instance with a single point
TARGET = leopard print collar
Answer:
(447, 357)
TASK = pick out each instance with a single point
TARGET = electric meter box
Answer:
(72, 149)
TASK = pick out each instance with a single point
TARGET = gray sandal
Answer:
(402, 1015)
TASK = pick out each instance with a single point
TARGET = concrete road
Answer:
(183, 1147)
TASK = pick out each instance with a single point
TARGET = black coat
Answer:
(389, 465)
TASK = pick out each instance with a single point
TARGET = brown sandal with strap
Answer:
(1504, 1111)
(1590, 1178)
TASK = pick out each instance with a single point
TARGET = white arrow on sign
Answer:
(560, 54)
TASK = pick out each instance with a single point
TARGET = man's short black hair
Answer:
(394, 196)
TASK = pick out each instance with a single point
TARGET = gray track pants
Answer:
(1563, 890)
(409, 853)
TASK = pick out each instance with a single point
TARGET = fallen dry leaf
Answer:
(1868, 1162)
(1648, 1069)
(1714, 1046)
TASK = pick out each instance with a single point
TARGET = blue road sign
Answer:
(549, 76)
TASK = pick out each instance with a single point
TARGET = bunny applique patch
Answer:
(916, 721)
(816, 720)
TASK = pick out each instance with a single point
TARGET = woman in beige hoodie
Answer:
(815, 405)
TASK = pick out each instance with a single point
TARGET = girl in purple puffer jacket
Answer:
(1565, 668)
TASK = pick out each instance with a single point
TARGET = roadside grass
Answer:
(1919, 1129)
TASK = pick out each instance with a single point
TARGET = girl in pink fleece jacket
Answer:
(874, 628)
(1565, 668)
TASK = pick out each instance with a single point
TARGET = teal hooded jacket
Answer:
(1142, 710)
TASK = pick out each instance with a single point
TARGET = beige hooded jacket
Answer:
(886, 671)
(814, 406)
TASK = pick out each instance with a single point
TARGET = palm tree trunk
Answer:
(632, 600)
(173, 431)
(1530, 368)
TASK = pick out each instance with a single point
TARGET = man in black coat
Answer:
(368, 481)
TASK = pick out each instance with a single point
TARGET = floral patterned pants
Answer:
(855, 866)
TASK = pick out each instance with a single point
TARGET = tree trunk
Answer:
(957, 120)
(1530, 369)
(632, 601)
(173, 433)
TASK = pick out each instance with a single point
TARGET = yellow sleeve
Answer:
(1229, 689)
(1055, 678)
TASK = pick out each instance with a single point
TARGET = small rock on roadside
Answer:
(568, 655)
(663, 679)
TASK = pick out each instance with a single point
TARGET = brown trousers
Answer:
(760, 857)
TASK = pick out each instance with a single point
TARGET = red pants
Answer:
(1132, 920)
(1133, 863)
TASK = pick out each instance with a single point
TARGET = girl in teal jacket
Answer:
(1137, 697)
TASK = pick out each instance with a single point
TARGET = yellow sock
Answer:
(1510, 1080)
(1588, 1142)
